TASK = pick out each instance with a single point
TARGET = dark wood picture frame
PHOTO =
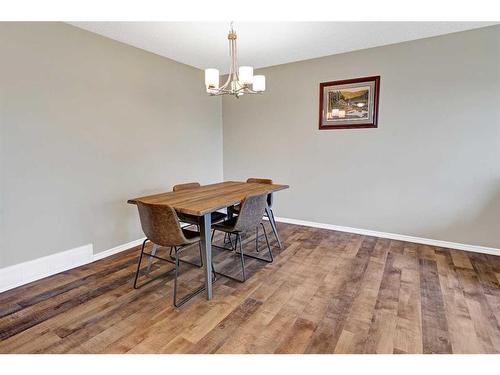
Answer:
(373, 123)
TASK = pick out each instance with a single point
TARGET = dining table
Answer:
(202, 201)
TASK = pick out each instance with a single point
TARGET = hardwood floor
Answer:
(326, 292)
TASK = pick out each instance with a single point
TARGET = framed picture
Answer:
(348, 104)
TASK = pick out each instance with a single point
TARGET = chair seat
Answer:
(236, 209)
(191, 235)
(185, 218)
(192, 219)
(218, 217)
(226, 226)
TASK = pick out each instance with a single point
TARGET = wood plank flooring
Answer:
(326, 292)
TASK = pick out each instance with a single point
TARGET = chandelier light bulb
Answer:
(259, 83)
(246, 75)
(211, 79)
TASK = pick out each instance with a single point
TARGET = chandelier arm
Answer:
(227, 92)
(226, 84)
(241, 89)
(221, 92)
(247, 90)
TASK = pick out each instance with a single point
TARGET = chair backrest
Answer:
(251, 212)
(260, 180)
(264, 181)
(187, 186)
(160, 224)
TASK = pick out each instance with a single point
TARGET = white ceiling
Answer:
(204, 44)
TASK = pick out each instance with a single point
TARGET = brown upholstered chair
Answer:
(269, 213)
(161, 226)
(250, 217)
(260, 180)
(191, 219)
(186, 186)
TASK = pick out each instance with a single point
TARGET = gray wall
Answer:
(85, 124)
(431, 169)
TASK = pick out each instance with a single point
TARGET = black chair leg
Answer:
(242, 261)
(267, 242)
(139, 264)
(257, 239)
(176, 276)
(176, 262)
(270, 216)
(214, 274)
(189, 296)
(228, 235)
(268, 247)
(242, 258)
(227, 239)
(186, 261)
(201, 256)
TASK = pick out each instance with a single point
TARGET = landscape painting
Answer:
(349, 103)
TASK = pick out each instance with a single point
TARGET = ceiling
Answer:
(260, 44)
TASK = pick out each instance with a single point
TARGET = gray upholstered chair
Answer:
(249, 218)
(161, 226)
(269, 213)
(191, 219)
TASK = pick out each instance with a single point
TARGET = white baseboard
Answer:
(394, 236)
(23, 273)
(118, 249)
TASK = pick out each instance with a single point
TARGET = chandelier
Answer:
(240, 80)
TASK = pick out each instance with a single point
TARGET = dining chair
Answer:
(161, 226)
(191, 219)
(249, 218)
(269, 211)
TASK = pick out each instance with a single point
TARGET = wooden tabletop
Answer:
(209, 198)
